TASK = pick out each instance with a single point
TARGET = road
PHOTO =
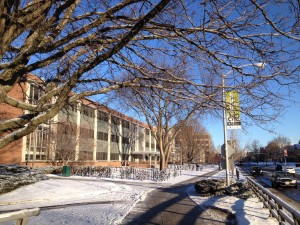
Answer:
(289, 195)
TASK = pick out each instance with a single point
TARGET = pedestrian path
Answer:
(172, 206)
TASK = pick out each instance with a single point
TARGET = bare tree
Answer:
(255, 147)
(65, 145)
(193, 141)
(235, 142)
(90, 47)
(275, 147)
(163, 111)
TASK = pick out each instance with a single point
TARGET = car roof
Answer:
(282, 172)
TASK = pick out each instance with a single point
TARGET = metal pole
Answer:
(259, 65)
(225, 131)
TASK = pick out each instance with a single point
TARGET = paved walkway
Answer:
(172, 206)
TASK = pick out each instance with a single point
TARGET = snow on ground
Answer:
(94, 201)
(248, 211)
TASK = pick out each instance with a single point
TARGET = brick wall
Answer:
(12, 153)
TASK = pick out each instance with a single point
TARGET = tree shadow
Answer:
(239, 211)
(171, 205)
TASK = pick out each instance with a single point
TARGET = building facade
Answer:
(192, 146)
(85, 132)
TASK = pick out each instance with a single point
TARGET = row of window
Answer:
(148, 145)
(29, 157)
(85, 155)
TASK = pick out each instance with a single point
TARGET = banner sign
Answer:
(233, 112)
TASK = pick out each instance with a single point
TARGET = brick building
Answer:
(192, 146)
(82, 133)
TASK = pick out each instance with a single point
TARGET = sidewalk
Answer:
(180, 204)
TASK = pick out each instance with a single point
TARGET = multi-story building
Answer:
(85, 132)
(192, 146)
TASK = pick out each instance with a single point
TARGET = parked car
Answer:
(283, 179)
(256, 170)
(290, 170)
(278, 167)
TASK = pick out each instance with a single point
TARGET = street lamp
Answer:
(259, 65)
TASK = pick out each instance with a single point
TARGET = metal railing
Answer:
(21, 216)
(279, 209)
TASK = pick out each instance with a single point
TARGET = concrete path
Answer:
(172, 206)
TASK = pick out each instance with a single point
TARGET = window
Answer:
(86, 133)
(85, 155)
(102, 136)
(87, 111)
(73, 107)
(115, 121)
(147, 132)
(114, 156)
(102, 116)
(35, 94)
(38, 144)
(125, 140)
(101, 156)
(114, 138)
(125, 124)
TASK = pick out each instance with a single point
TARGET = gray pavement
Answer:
(172, 206)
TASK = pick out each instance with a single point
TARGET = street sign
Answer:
(285, 153)
(230, 150)
(233, 112)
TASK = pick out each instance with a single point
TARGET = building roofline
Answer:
(91, 103)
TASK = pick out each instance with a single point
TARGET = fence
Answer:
(21, 216)
(283, 212)
(134, 173)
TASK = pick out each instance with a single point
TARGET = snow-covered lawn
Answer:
(94, 201)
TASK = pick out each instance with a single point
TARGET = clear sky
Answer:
(287, 126)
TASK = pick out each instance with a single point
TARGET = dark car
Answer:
(283, 179)
(256, 170)
(278, 167)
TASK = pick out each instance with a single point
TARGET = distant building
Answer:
(296, 146)
(85, 132)
(192, 146)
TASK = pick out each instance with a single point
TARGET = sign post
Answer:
(285, 154)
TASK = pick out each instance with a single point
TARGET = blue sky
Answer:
(288, 126)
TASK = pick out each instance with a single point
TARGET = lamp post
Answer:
(259, 65)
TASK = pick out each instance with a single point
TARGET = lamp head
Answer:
(260, 65)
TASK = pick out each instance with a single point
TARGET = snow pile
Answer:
(247, 211)
(14, 176)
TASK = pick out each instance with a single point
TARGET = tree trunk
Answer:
(163, 162)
